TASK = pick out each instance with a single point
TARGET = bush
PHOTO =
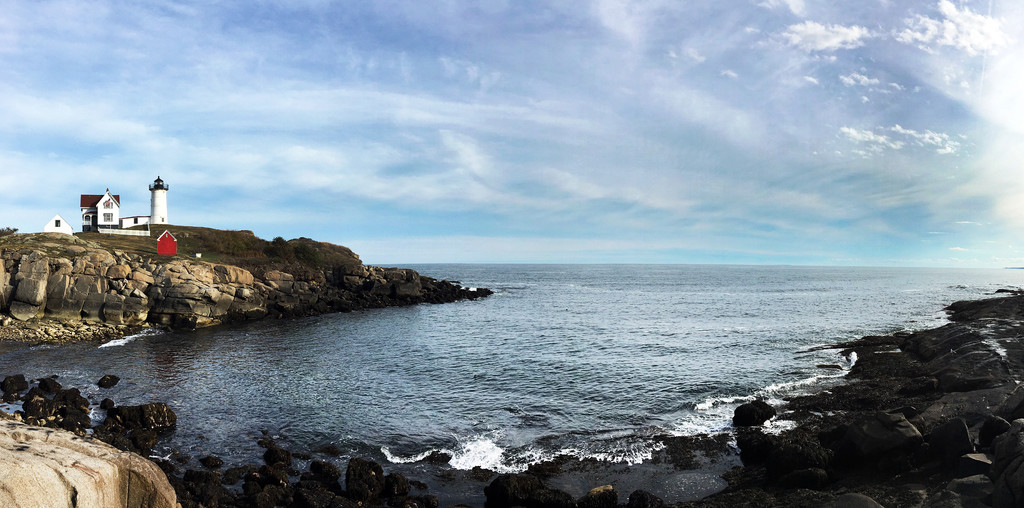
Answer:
(8, 231)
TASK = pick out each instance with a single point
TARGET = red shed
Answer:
(166, 245)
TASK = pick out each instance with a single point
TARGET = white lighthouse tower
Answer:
(158, 202)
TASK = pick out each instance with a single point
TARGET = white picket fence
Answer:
(125, 232)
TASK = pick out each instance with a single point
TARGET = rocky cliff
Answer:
(65, 279)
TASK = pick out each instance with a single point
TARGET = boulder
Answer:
(874, 436)
(599, 497)
(1008, 467)
(108, 381)
(48, 467)
(752, 413)
(119, 272)
(949, 441)
(993, 427)
(155, 416)
(644, 499)
(14, 384)
(396, 485)
(509, 490)
(364, 479)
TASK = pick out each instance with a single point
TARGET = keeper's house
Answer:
(101, 211)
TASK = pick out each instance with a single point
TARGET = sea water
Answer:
(585, 360)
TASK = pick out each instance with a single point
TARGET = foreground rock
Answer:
(48, 467)
(65, 281)
(931, 418)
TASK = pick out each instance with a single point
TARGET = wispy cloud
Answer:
(812, 36)
(959, 28)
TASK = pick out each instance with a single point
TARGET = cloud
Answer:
(962, 29)
(898, 138)
(811, 36)
(796, 6)
(811, 80)
(729, 73)
(958, 249)
(855, 79)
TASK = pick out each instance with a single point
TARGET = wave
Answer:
(146, 332)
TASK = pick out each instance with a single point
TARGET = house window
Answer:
(56, 223)
(108, 204)
(136, 220)
(108, 217)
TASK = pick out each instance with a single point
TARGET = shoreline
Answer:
(936, 395)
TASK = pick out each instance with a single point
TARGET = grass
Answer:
(240, 248)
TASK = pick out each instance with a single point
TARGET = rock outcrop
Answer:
(47, 467)
(72, 281)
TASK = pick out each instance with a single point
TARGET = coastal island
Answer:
(57, 287)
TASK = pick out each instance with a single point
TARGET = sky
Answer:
(875, 132)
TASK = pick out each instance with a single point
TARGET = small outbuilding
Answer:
(166, 244)
(58, 225)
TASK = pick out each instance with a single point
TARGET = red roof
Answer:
(91, 200)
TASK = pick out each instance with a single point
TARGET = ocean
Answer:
(586, 360)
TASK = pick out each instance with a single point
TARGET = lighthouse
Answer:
(158, 202)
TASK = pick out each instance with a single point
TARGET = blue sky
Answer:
(877, 132)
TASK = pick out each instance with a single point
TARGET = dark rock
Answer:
(973, 464)
(949, 441)
(809, 478)
(919, 386)
(211, 462)
(418, 485)
(395, 485)
(155, 415)
(14, 384)
(1008, 467)
(551, 498)
(313, 498)
(107, 404)
(364, 479)
(437, 458)
(275, 455)
(644, 499)
(509, 490)
(108, 381)
(976, 487)
(144, 440)
(755, 446)
(326, 473)
(600, 497)
(480, 474)
(75, 420)
(71, 398)
(794, 454)
(752, 414)
(234, 474)
(49, 385)
(330, 449)
(871, 437)
(853, 500)
(426, 501)
(993, 426)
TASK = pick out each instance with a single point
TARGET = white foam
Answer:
(396, 459)
(125, 340)
(712, 402)
(480, 452)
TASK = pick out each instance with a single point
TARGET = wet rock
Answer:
(809, 478)
(14, 384)
(107, 404)
(949, 441)
(993, 427)
(108, 381)
(509, 490)
(277, 456)
(155, 415)
(752, 414)
(395, 485)
(49, 385)
(978, 487)
(853, 500)
(211, 462)
(644, 499)
(871, 437)
(791, 454)
(973, 464)
(599, 497)
(1008, 467)
(364, 479)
